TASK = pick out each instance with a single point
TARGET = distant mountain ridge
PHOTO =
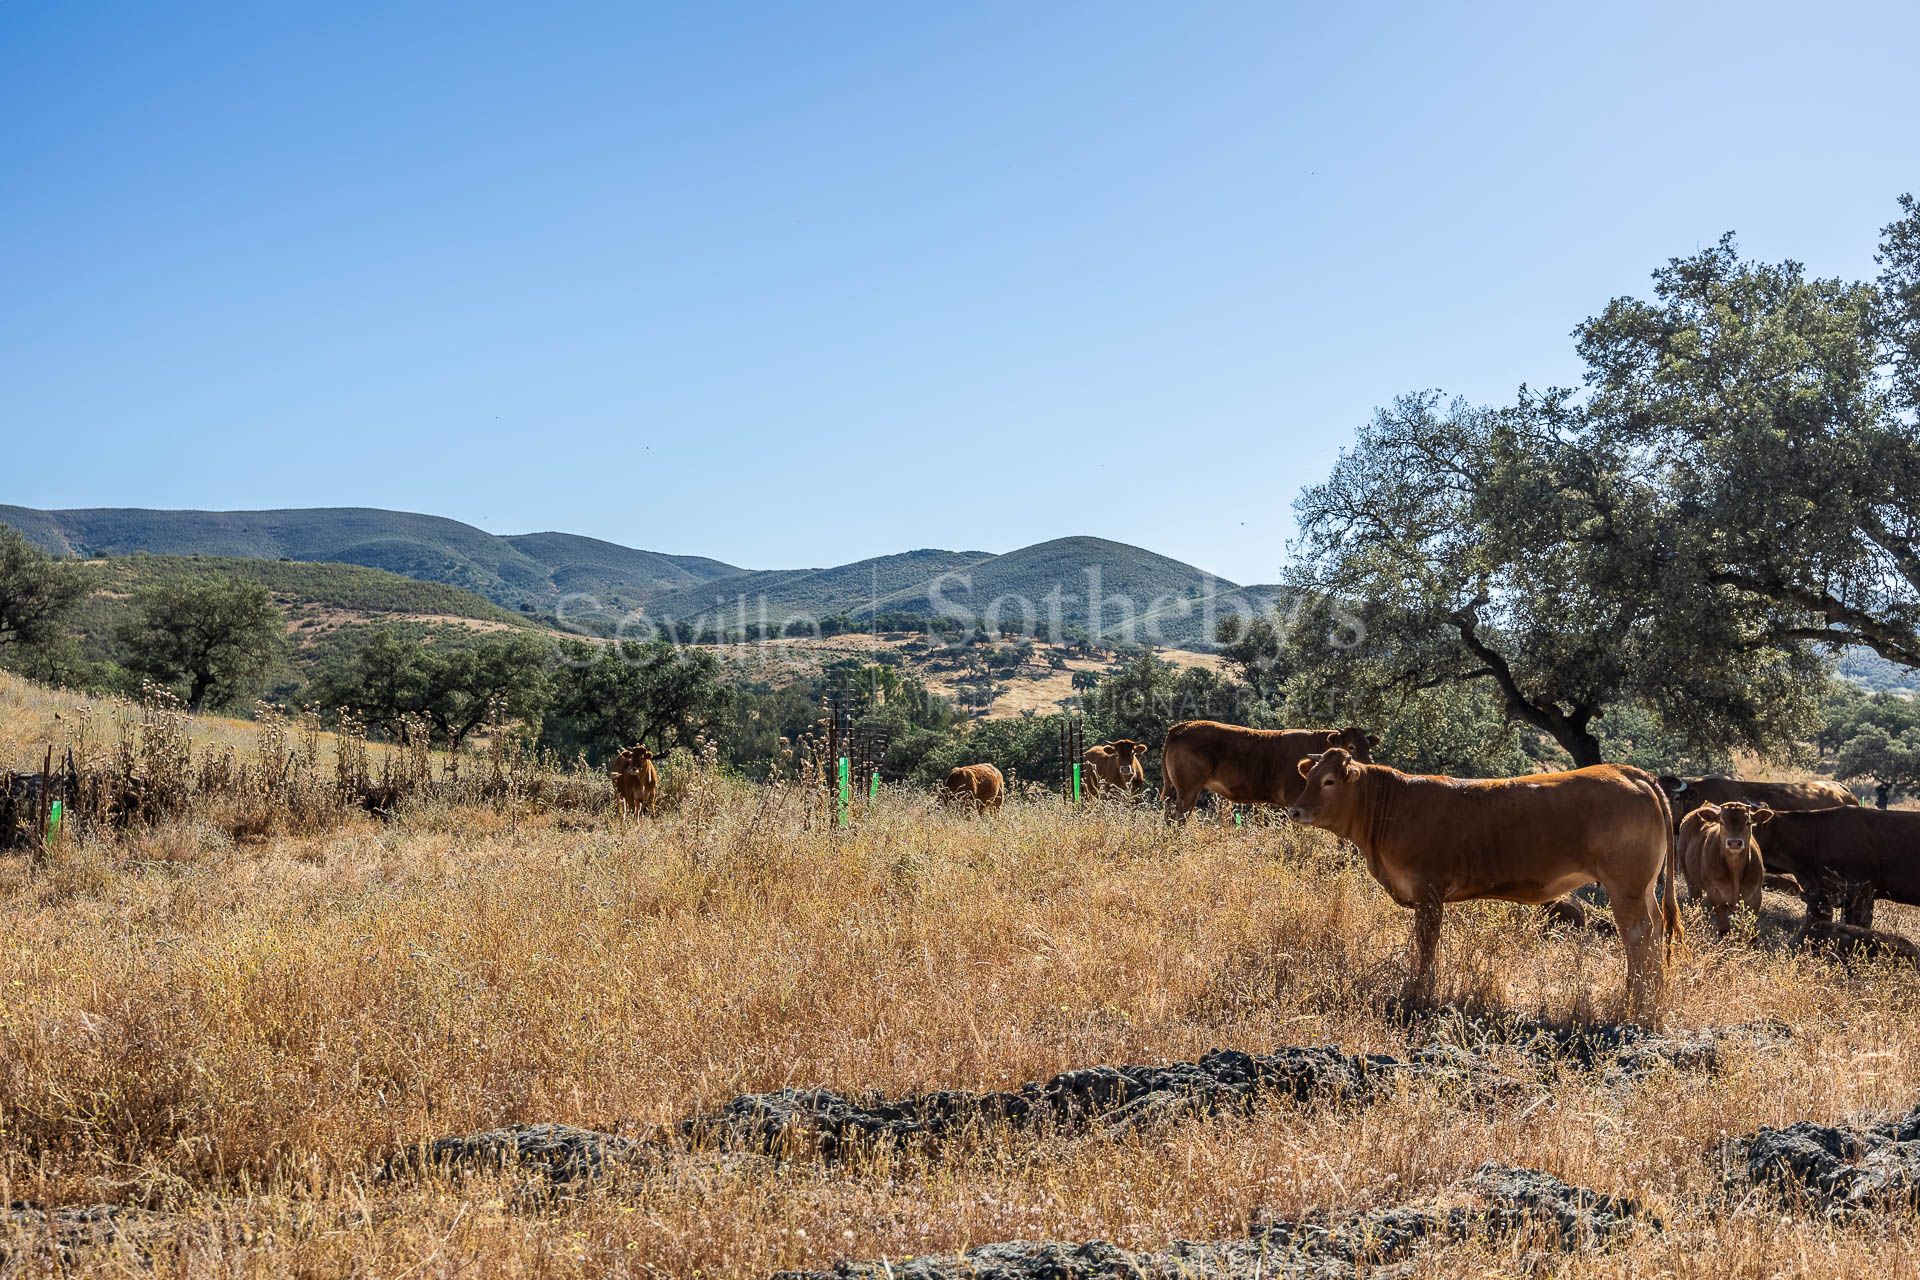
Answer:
(532, 570)
(1103, 588)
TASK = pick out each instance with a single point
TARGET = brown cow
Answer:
(978, 784)
(1848, 854)
(636, 782)
(1432, 840)
(1688, 794)
(1115, 765)
(1245, 766)
(1719, 852)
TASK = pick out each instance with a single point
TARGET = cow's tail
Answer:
(1669, 891)
(1174, 731)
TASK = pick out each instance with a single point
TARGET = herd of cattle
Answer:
(1431, 840)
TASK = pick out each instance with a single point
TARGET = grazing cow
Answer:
(636, 782)
(977, 784)
(1719, 852)
(1688, 794)
(1245, 766)
(1115, 765)
(1848, 854)
(1432, 840)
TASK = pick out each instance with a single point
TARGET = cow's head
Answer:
(1672, 785)
(1333, 778)
(1127, 751)
(1354, 740)
(631, 758)
(1737, 822)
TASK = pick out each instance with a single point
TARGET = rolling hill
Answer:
(1109, 590)
(531, 569)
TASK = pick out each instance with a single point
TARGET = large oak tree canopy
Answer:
(1734, 491)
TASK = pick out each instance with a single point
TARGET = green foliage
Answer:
(1875, 738)
(395, 683)
(36, 594)
(606, 697)
(213, 640)
(1785, 474)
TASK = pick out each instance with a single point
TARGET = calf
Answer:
(636, 782)
(1429, 841)
(1116, 765)
(978, 785)
(1245, 766)
(1720, 857)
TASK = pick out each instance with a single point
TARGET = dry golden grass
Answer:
(237, 1033)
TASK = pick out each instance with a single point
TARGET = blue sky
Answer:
(796, 284)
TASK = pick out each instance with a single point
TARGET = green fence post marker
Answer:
(1239, 818)
(1076, 782)
(53, 820)
(873, 791)
(846, 788)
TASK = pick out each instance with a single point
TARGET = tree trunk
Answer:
(1881, 791)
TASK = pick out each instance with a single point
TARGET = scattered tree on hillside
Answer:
(1875, 738)
(610, 696)
(36, 592)
(397, 683)
(213, 640)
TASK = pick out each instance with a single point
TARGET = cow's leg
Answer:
(1182, 802)
(1636, 916)
(1722, 918)
(1859, 906)
(1426, 945)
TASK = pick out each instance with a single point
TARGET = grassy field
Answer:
(235, 1035)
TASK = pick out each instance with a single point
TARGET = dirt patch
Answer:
(1505, 1202)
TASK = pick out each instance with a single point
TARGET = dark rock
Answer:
(1834, 1169)
(1378, 1244)
(560, 1153)
(816, 1121)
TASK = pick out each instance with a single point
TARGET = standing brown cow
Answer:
(636, 782)
(1432, 840)
(1719, 853)
(978, 784)
(1116, 765)
(1245, 766)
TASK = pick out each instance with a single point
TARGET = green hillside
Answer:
(1131, 588)
(620, 576)
(845, 590)
(508, 571)
(307, 589)
(593, 584)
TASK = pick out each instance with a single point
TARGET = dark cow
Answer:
(1688, 794)
(1433, 840)
(1115, 766)
(1245, 766)
(1719, 853)
(977, 785)
(1848, 855)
